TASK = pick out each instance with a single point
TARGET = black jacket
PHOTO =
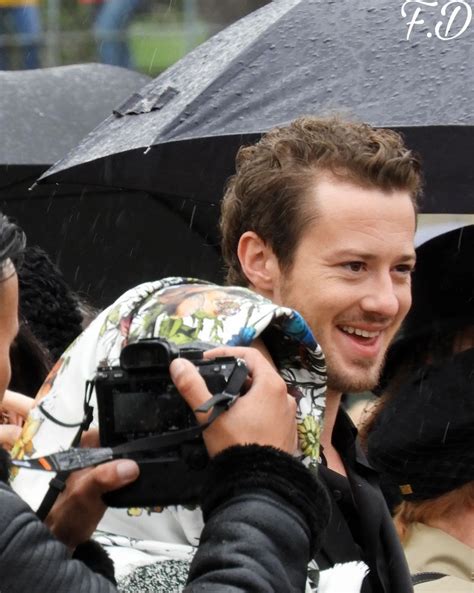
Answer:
(265, 515)
(367, 533)
(31, 559)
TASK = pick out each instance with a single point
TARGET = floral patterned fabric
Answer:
(145, 541)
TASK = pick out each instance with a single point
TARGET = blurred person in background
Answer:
(51, 318)
(21, 18)
(111, 21)
(422, 439)
(48, 305)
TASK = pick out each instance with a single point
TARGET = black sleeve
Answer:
(265, 516)
(31, 559)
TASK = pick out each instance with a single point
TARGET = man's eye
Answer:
(354, 266)
(405, 269)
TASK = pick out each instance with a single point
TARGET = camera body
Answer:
(138, 400)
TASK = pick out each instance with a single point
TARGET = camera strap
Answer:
(78, 458)
(58, 483)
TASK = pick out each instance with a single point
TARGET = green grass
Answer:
(154, 48)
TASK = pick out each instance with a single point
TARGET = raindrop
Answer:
(443, 440)
(76, 273)
(192, 217)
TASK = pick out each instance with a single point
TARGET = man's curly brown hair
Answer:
(268, 194)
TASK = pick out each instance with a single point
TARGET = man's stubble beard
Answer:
(344, 381)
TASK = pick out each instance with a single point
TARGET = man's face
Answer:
(8, 326)
(351, 278)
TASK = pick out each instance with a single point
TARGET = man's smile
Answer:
(360, 332)
(360, 343)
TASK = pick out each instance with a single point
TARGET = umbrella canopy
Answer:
(179, 134)
(109, 242)
(46, 112)
(104, 240)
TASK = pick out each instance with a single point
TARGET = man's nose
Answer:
(381, 297)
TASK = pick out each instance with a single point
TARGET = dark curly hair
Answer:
(47, 304)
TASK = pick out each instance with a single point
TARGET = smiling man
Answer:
(320, 217)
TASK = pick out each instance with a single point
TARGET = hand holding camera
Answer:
(146, 415)
(265, 416)
(142, 416)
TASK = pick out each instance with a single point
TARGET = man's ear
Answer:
(259, 263)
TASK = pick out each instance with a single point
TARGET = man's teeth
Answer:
(359, 332)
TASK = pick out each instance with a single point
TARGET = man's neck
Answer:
(333, 459)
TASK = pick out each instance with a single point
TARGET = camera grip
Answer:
(163, 481)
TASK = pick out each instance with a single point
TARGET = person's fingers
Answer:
(88, 485)
(90, 438)
(10, 417)
(17, 402)
(9, 433)
(109, 476)
(80, 507)
(17, 419)
(116, 474)
(264, 415)
(189, 383)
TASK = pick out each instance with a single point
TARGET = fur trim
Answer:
(343, 578)
(246, 468)
(96, 558)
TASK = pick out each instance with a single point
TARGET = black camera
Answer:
(143, 416)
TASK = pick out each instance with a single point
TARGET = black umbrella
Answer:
(104, 240)
(46, 112)
(109, 242)
(180, 133)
